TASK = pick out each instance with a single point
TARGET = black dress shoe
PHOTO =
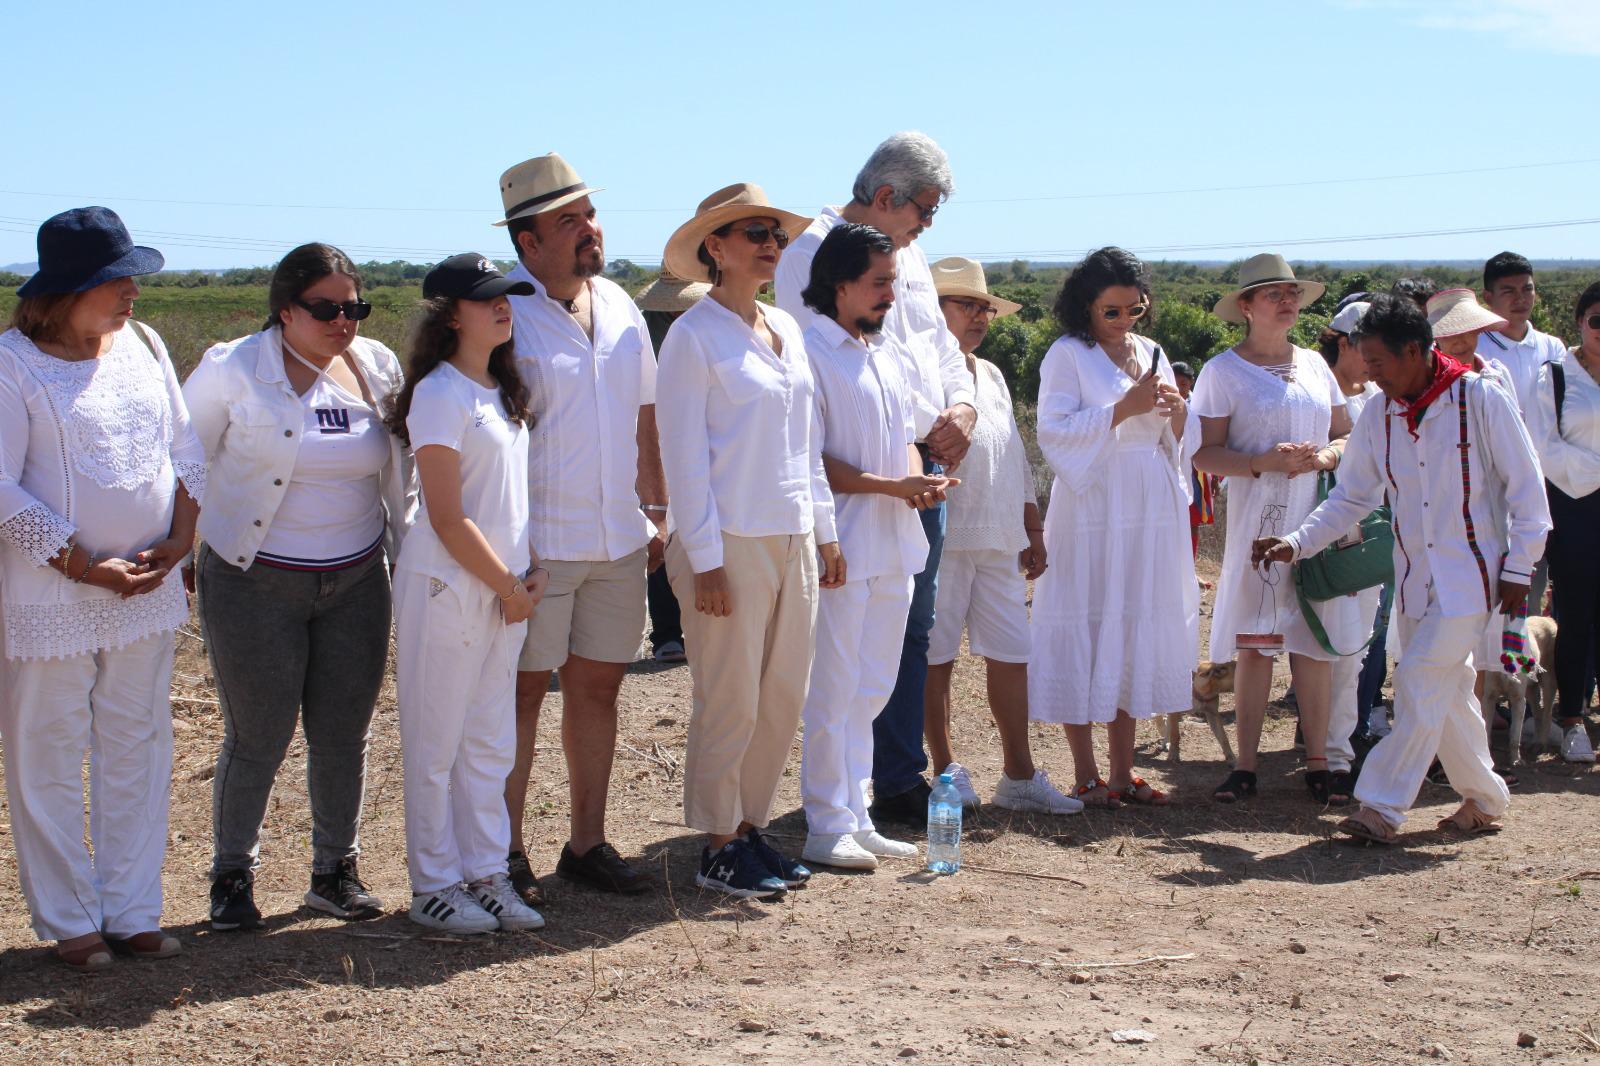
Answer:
(523, 882)
(906, 808)
(601, 867)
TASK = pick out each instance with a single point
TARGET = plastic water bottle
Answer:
(944, 827)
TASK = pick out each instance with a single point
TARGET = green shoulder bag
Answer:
(1351, 565)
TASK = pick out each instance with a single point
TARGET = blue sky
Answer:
(225, 135)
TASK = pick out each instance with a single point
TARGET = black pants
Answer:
(665, 622)
(1575, 573)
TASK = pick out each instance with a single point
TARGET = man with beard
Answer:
(597, 502)
(1444, 435)
(866, 423)
(897, 192)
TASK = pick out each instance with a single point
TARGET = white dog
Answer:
(1519, 690)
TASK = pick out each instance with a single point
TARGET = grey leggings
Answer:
(288, 646)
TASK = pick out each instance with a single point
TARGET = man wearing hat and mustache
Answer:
(597, 501)
(898, 191)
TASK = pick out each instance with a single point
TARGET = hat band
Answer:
(541, 198)
(1290, 280)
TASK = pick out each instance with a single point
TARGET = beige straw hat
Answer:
(541, 184)
(1452, 312)
(955, 276)
(1268, 268)
(670, 294)
(741, 200)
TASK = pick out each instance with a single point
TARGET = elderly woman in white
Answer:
(100, 478)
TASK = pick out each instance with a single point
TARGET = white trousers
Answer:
(456, 668)
(1434, 712)
(117, 705)
(860, 630)
(1342, 711)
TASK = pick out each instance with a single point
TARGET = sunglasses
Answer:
(1593, 322)
(327, 310)
(924, 213)
(1112, 314)
(759, 233)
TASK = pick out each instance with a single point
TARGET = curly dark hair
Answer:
(1099, 271)
(434, 341)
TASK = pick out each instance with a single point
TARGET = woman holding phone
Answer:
(1111, 635)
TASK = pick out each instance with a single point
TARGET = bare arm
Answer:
(439, 469)
(1215, 457)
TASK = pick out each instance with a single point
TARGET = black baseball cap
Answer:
(469, 276)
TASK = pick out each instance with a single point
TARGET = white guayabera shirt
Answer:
(1521, 360)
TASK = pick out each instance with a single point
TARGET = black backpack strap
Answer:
(1558, 381)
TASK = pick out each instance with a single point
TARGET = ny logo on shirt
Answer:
(333, 420)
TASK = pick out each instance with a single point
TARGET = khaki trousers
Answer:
(750, 673)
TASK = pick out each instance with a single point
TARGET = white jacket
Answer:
(248, 418)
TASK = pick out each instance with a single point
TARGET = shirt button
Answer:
(241, 558)
(258, 522)
(1430, 543)
(277, 481)
(288, 433)
(1424, 503)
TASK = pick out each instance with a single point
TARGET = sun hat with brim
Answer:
(1349, 315)
(85, 247)
(470, 276)
(539, 185)
(1452, 312)
(670, 294)
(740, 200)
(1268, 268)
(955, 276)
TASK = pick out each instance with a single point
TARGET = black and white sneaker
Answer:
(451, 910)
(496, 896)
(233, 902)
(793, 874)
(342, 894)
(735, 869)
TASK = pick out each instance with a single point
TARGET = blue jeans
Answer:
(898, 761)
(1376, 664)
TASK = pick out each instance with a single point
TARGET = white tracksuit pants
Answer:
(860, 630)
(1342, 711)
(1434, 712)
(456, 668)
(117, 705)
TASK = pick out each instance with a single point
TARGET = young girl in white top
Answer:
(465, 587)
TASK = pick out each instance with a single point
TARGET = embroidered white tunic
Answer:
(1112, 614)
(94, 448)
(984, 512)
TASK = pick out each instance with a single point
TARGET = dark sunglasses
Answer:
(924, 213)
(1137, 311)
(1593, 322)
(759, 233)
(327, 310)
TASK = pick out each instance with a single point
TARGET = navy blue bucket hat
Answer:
(85, 247)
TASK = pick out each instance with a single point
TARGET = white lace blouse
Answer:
(92, 448)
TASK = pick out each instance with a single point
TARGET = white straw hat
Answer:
(741, 200)
(955, 276)
(671, 294)
(1452, 312)
(1268, 268)
(541, 184)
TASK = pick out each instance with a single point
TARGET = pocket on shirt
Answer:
(743, 379)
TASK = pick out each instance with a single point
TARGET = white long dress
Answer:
(1265, 409)
(1111, 615)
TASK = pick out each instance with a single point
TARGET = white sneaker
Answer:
(837, 849)
(496, 896)
(1575, 746)
(1555, 738)
(1036, 795)
(875, 843)
(963, 782)
(451, 910)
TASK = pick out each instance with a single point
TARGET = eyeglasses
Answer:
(924, 213)
(327, 310)
(1134, 313)
(974, 307)
(1283, 294)
(759, 233)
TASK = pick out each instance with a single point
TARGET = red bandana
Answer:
(1445, 372)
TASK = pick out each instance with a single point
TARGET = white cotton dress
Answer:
(1111, 615)
(1265, 409)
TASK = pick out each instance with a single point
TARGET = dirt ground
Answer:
(1281, 945)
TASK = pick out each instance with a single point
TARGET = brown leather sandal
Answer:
(1369, 826)
(1470, 819)
(86, 957)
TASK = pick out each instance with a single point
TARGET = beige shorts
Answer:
(596, 610)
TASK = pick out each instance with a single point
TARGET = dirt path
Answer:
(1296, 948)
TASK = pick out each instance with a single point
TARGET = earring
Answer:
(716, 274)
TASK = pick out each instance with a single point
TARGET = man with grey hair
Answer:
(898, 191)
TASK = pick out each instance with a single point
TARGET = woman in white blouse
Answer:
(1271, 415)
(309, 494)
(466, 584)
(100, 478)
(1566, 430)
(751, 512)
(1111, 617)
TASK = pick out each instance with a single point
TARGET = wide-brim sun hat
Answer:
(470, 276)
(956, 276)
(1452, 312)
(1268, 268)
(541, 184)
(741, 200)
(85, 247)
(671, 294)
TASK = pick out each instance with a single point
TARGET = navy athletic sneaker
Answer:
(793, 874)
(735, 869)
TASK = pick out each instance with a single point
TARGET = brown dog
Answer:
(1211, 680)
(1519, 692)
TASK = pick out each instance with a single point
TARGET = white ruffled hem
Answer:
(1077, 679)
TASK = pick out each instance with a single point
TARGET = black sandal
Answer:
(1340, 784)
(1238, 785)
(1319, 782)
